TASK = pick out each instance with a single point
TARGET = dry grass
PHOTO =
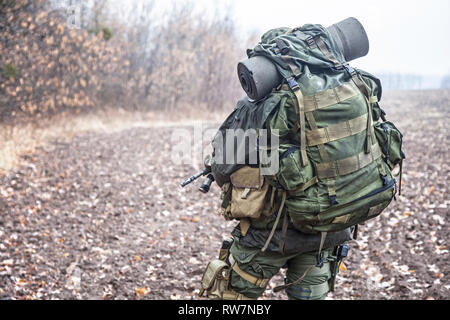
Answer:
(23, 139)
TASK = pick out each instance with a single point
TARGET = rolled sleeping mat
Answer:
(259, 76)
(351, 38)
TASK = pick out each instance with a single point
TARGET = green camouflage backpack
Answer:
(336, 152)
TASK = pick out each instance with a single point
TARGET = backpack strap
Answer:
(295, 72)
(356, 78)
(330, 181)
(400, 179)
(275, 225)
(324, 49)
(301, 112)
(283, 233)
(305, 186)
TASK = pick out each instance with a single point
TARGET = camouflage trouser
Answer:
(314, 286)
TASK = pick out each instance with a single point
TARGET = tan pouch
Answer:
(249, 193)
(215, 279)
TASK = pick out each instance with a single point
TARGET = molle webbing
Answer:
(324, 157)
(313, 125)
(349, 165)
(337, 131)
(330, 97)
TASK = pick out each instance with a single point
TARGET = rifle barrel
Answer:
(194, 177)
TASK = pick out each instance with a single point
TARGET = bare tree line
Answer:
(137, 60)
(397, 81)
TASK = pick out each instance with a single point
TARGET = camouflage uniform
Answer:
(314, 286)
(250, 269)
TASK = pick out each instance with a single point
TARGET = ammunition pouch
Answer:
(215, 279)
(390, 140)
(248, 195)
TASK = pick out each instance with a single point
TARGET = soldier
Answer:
(333, 160)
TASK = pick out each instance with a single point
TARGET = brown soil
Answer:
(102, 216)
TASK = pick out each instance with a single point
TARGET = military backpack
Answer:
(336, 152)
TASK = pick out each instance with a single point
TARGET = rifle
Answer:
(206, 186)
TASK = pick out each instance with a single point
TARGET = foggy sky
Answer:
(405, 36)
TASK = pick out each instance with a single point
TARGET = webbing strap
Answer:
(330, 97)
(295, 70)
(358, 82)
(331, 187)
(301, 113)
(319, 264)
(323, 156)
(274, 228)
(262, 283)
(279, 288)
(313, 125)
(305, 186)
(361, 86)
(349, 165)
(283, 233)
(233, 295)
(370, 139)
(337, 131)
(324, 49)
(400, 179)
(325, 159)
(299, 105)
(323, 236)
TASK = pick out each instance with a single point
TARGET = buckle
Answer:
(278, 185)
(293, 84)
(321, 263)
(333, 201)
(343, 252)
(345, 67)
(310, 41)
(262, 283)
(349, 69)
